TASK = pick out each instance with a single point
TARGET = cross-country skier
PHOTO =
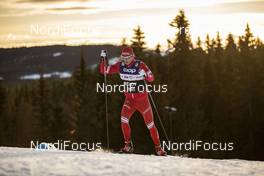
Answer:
(135, 72)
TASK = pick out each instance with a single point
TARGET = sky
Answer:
(77, 22)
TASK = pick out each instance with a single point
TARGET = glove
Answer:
(103, 54)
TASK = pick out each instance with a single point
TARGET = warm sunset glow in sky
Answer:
(75, 22)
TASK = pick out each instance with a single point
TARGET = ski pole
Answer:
(104, 56)
(157, 112)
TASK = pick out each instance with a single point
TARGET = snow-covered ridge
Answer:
(46, 75)
(24, 161)
(111, 62)
(57, 54)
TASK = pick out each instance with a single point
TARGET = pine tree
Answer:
(124, 42)
(246, 41)
(231, 46)
(258, 43)
(218, 47)
(42, 107)
(208, 44)
(138, 42)
(81, 99)
(230, 88)
(182, 43)
(181, 73)
(3, 97)
(199, 43)
(157, 50)
(218, 58)
(60, 123)
(25, 117)
(85, 98)
(249, 71)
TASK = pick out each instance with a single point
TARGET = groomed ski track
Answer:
(25, 162)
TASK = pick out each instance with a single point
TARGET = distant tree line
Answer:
(217, 87)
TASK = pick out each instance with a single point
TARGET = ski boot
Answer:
(160, 151)
(128, 148)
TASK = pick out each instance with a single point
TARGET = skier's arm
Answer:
(108, 69)
(104, 68)
(148, 74)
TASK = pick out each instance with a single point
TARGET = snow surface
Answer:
(24, 161)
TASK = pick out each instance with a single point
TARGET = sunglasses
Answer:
(125, 58)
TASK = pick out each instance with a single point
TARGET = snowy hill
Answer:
(17, 62)
(22, 161)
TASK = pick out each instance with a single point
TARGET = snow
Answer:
(111, 62)
(57, 54)
(46, 75)
(24, 161)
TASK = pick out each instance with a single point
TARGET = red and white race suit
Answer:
(136, 72)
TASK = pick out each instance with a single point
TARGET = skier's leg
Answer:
(127, 111)
(146, 110)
